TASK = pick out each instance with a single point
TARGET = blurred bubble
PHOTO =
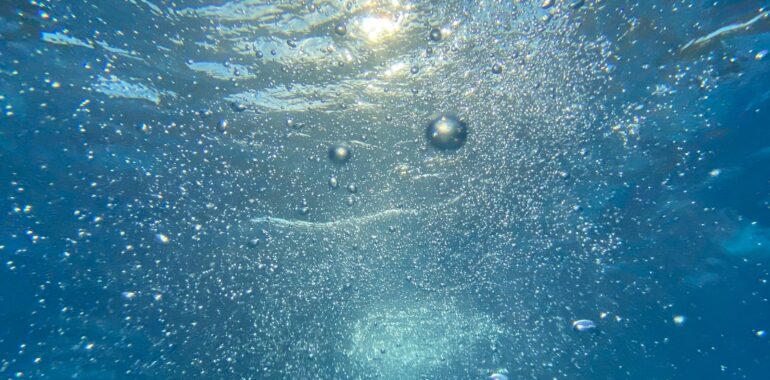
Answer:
(223, 124)
(237, 107)
(498, 376)
(339, 153)
(161, 238)
(584, 325)
(446, 132)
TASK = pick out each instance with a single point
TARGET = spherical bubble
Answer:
(333, 183)
(497, 68)
(339, 153)
(435, 34)
(446, 132)
(340, 29)
(584, 325)
(498, 376)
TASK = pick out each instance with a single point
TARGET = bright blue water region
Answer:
(384, 189)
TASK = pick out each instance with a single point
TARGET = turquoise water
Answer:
(392, 189)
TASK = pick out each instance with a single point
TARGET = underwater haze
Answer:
(384, 189)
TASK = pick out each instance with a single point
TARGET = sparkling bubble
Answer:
(415, 69)
(497, 68)
(446, 132)
(333, 183)
(352, 188)
(498, 376)
(339, 153)
(679, 320)
(584, 325)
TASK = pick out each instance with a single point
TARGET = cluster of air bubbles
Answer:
(304, 209)
(447, 132)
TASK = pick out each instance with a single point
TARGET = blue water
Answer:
(245, 189)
